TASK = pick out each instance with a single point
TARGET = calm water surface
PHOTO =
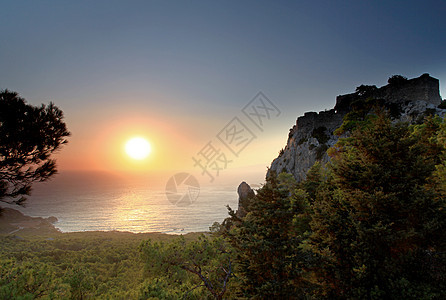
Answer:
(99, 201)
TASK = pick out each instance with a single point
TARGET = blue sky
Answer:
(195, 64)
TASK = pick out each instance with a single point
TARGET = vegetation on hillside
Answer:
(370, 224)
(81, 265)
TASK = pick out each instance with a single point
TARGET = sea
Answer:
(99, 201)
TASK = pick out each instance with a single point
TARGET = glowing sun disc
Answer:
(138, 148)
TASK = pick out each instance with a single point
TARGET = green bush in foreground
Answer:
(196, 270)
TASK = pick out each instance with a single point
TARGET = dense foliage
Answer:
(378, 218)
(196, 270)
(266, 241)
(84, 265)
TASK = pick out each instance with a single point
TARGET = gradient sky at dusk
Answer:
(178, 71)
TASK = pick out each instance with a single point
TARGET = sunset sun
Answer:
(138, 148)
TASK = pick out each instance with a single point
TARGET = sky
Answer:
(179, 72)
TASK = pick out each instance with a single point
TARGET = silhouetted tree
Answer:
(397, 80)
(28, 137)
(365, 90)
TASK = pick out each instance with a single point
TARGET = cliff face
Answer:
(309, 139)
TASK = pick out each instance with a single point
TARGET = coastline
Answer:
(15, 224)
(13, 221)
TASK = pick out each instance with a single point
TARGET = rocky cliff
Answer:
(308, 140)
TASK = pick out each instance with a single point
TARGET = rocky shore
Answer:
(13, 222)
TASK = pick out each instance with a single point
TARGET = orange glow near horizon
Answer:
(100, 146)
